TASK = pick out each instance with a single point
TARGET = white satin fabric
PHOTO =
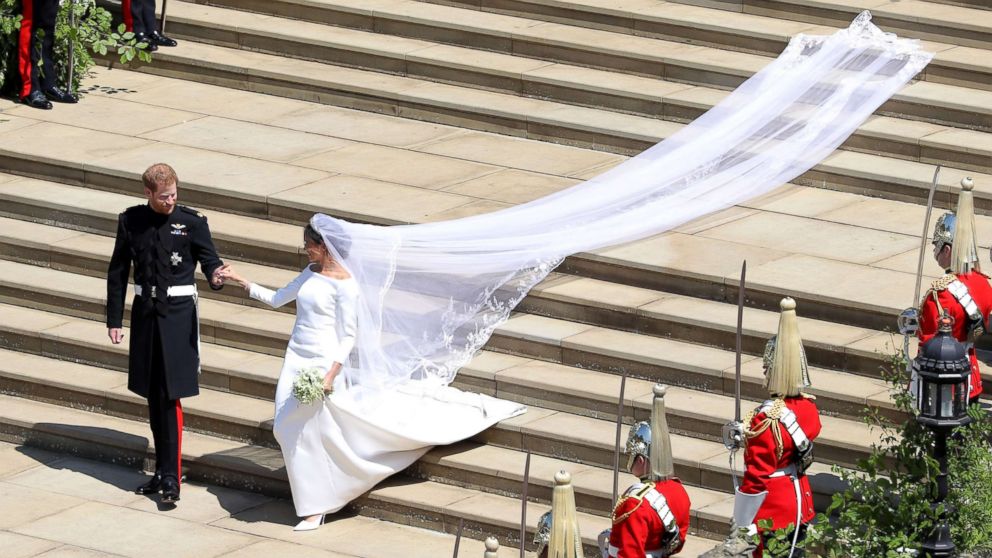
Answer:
(337, 450)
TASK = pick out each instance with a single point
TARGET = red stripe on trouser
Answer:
(179, 442)
(24, 48)
(126, 12)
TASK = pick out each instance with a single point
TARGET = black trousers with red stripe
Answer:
(166, 419)
(139, 15)
(36, 44)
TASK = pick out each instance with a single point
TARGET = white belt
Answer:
(613, 552)
(174, 291)
(788, 471)
(183, 290)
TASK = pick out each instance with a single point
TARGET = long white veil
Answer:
(431, 294)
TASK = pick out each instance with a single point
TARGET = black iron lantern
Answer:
(941, 372)
(942, 369)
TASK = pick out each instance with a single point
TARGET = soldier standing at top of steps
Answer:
(165, 241)
(36, 44)
(139, 17)
(963, 292)
(652, 517)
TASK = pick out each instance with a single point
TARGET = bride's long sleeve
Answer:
(347, 315)
(278, 298)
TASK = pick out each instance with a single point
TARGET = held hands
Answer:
(217, 279)
(227, 273)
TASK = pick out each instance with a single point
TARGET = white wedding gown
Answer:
(336, 451)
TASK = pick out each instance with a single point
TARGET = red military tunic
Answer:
(981, 293)
(637, 527)
(761, 460)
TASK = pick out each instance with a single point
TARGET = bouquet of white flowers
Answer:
(309, 385)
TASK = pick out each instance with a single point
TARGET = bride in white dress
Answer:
(334, 452)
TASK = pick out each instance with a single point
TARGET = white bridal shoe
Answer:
(309, 525)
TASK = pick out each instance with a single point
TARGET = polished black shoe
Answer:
(151, 487)
(170, 491)
(60, 96)
(37, 100)
(150, 45)
(161, 40)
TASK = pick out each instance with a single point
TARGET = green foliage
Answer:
(93, 34)
(886, 509)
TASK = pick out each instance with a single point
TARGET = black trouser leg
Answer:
(47, 13)
(166, 419)
(148, 16)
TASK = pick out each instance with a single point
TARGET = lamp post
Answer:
(942, 369)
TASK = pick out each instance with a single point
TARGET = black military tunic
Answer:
(164, 250)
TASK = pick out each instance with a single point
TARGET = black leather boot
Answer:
(60, 96)
(170, 491)
(151, 487)
(161, 40)
(147, 40)
(37, 100)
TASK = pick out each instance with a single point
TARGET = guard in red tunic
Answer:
(778, 448)
(35, 60)
(652, 517)
(779, 439)
(963, 293)
(139, 18)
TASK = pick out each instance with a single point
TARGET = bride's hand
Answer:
(329, 382)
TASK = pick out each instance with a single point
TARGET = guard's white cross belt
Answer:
(961, 294)
(791, 424)
(659, 553)
(659, 504)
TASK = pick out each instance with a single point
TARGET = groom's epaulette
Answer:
(192, 211)
(132, 209)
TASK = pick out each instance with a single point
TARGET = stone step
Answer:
(483, 468)
(916, 141)
(978, 4)
(862, 173)
(560, 296)
(581, 441)
(549, 339)
(962, 25)
(740, 31)
(702, 462)
(654, 263)
(670, 21)
(500, 470)
(533, 39)
(424, 504)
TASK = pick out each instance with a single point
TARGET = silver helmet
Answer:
(943, 231)
(638, 442)
(543, 535)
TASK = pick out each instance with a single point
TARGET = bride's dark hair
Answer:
(339, 239)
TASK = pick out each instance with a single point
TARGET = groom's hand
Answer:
(219, 275)
(116, 335)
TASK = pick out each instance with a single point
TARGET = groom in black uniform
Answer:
(164, 241)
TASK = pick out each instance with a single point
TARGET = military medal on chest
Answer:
(176, 259)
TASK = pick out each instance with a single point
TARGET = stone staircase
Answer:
(262, 131)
